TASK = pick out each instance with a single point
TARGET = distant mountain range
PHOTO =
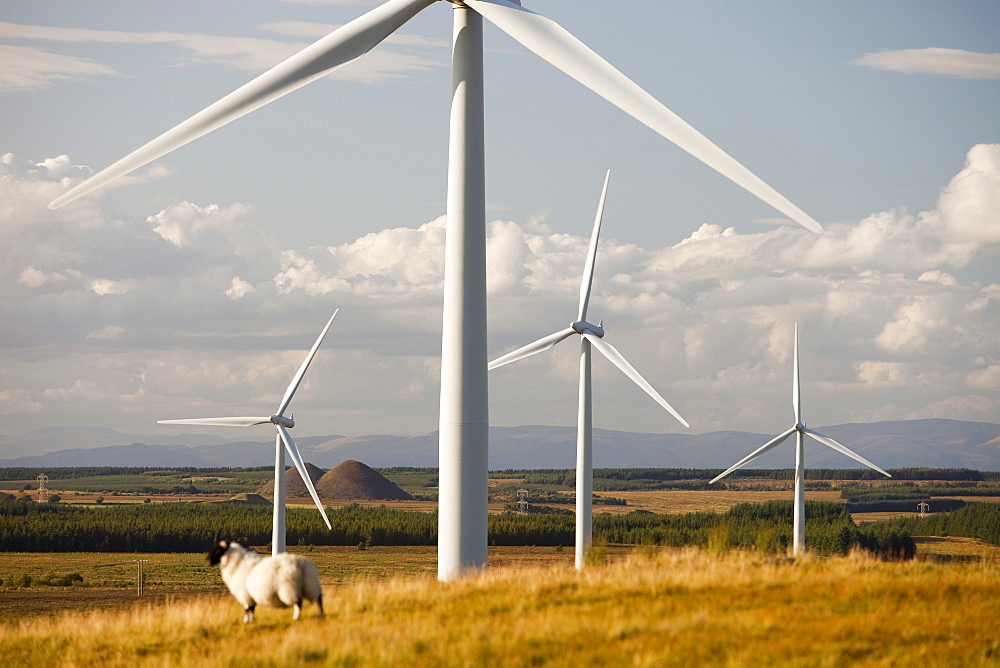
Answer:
(911, 443)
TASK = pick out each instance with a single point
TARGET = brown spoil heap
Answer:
(354, 480)
(250, 499)
(293, 482)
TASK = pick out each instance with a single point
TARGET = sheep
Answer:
(280, 581)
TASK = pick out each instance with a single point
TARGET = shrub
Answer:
(19, 580)
(50, 579)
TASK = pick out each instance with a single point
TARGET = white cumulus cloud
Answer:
(202, 309)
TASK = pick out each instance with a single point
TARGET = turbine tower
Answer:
(282, 442)
(590, 336)
(464, 419)
(799, 429)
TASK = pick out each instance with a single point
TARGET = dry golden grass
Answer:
(674, 608)
(955, 548)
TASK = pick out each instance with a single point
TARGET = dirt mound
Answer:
(293, 482)
(250, 499)
(354, 480)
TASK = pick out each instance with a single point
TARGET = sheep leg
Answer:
(297, 610)
(248, 613)
(319, 602)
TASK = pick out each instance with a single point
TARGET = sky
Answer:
(194, 286)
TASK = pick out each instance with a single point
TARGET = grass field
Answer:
(109, 580)
(663, 608)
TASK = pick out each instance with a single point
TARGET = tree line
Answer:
(644, 479)
(189, 527)
(66, 472)
(975, 520)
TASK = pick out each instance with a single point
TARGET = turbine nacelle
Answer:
(584, 327)
(288, 423)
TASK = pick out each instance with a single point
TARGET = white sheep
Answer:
(280, 581)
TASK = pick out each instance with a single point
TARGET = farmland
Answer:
(672, 491)
(110, 579)
(639, 607)
(674, 507)
(733, 600)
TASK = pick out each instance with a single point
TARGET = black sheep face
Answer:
(215, 556)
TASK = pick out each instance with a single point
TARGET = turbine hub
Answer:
(581, 326)
(287, 423)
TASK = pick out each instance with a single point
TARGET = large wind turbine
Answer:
(282, 441)
(590, 336)
(464, 417)
(799, 429)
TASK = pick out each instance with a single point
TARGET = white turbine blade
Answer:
(796, 388)
(552, 43)
(773, 443)
(221, 421)
(294, 385)
(538, 346)
(293, 452)
(347, 43)
(588, 269)
(843, 449)
(616, 358)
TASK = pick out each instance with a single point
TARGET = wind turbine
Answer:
(590, 336)
(799, 429)
(464, 418)
(282, 441)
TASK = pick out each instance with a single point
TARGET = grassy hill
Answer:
(679, 607)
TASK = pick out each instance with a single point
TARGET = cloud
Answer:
(108, 333)
(395, 262)
(914, 323)
(33, 68)
(314, 31)
(967, 407)
(883, 374)
(969, 206)
(987, 378)
(18, 402)
(946, 62)
(104, 286)
(32, 277)
(333, 3)
(238, 288)
(28, 68)
(200, 308)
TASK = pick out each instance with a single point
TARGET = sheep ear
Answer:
(224, 544)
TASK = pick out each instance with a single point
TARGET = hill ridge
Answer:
(931, 442)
